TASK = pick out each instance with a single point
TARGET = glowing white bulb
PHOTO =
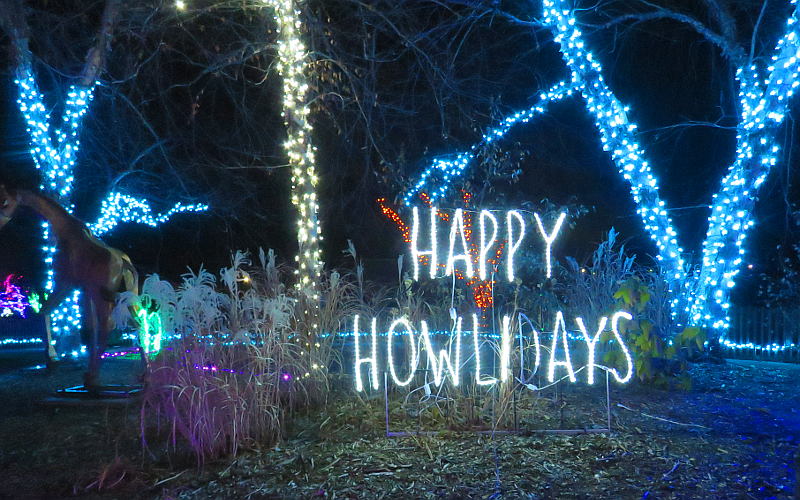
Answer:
(512, 244)
(457, 228)
(560, 333)
(549, 238)
(412, 345)
(486, 245)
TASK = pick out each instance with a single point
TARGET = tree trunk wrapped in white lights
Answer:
(293, 64)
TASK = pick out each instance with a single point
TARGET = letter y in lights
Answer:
(591, 343)
(549, 238)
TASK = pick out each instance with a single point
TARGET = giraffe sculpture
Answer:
(80, 262)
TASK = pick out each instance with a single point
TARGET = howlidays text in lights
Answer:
(765, 93)
(447, 359)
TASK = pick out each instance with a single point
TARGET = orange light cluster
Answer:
(481, 289)
(392, 215)
(426, 200)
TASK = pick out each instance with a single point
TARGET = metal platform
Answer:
(101, 396)
(101, 392)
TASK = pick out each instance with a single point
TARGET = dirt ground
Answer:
(734, 435)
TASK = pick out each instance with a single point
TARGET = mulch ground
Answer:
(735, 434)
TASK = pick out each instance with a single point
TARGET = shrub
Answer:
(239, 354)
(659, 358)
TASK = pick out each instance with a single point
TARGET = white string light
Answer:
(505, 350)
(372, 360)
(549, 238)
(478, 380)
(485, 245)
(513, 245)
(293, 67)
(390, 356)
(628, 361)
(591, 342)
(457, 227)
(443, 362)
(560, 332)
(416, 253)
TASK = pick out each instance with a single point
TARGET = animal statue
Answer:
(81, 262)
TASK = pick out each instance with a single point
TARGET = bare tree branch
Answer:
(728, 47)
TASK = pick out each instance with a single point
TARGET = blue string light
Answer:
(55, 155)
(764, 101)
(118, 208)
(454, 165)
(774, 348)
(56, 159)
(702, 296)
(14, 342)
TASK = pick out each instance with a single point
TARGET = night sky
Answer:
(666, 73)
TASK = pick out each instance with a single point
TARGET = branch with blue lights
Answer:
(702, 297)
(55, 155)
(764, 98)
(119, 208)
(56, 159)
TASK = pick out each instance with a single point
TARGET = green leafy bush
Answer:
(657, 360)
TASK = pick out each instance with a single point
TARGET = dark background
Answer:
(180, 131)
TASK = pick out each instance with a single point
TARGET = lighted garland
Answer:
(293, 68)
(55, 157)
(12, 299)
(764, 101)
(118, 208)
(54, 153)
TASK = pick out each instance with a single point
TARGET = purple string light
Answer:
(12, 299)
